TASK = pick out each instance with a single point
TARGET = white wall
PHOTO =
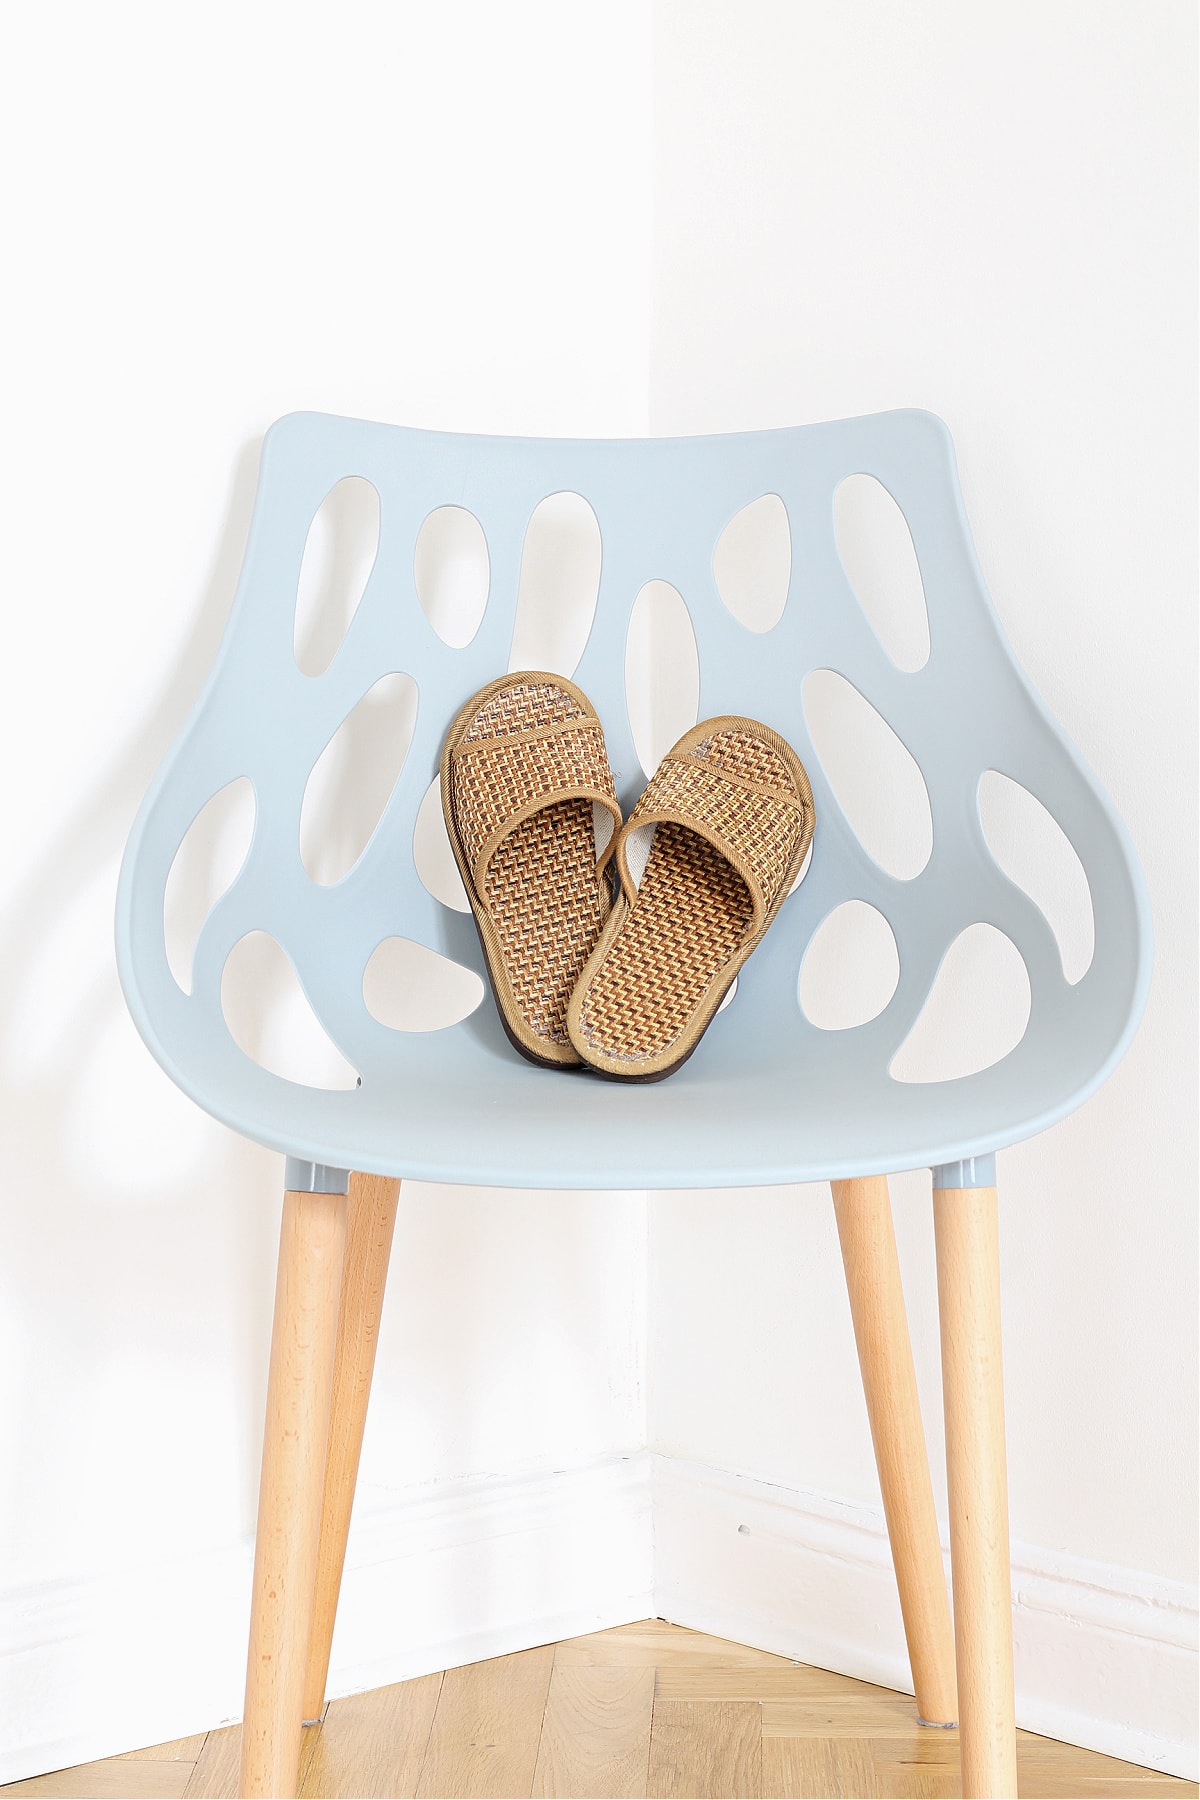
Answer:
(441, 216)
(988, 211)
(438, 215)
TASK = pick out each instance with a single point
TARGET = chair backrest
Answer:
(769, 1096)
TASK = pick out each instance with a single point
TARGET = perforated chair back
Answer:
(768, 1097)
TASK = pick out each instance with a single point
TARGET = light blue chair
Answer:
(767, 1098)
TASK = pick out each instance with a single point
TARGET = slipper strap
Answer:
(500, 781)
(754, 826)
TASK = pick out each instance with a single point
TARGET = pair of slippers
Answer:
(627, 984)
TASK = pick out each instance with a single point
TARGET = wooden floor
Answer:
(642, 1710)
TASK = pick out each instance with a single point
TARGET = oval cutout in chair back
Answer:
(973, 1015)
(802, 871)
(339, 554)
(662, 672)
(408, 987)
(560, 580)
(433, 858)
(850, 969)
(1035, 852)
(880, 561)
(752, 563)
(205, 866)
(352, 780)
(452, 573)
(270, 1019)
(875, 779)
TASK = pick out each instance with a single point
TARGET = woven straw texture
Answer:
(493, 782)
(742, 791)
(693, 911)
(526, 706)
(540, 892)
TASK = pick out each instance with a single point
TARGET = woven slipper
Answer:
(706, 859)
(530, 805)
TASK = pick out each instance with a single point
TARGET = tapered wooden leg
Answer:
(864, 1221)
(370, 1222)
(299, 1389)
(968, 1262)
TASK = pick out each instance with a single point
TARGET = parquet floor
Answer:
(643, 1710)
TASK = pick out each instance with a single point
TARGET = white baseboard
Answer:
(1105, 1657)
(433, 1579)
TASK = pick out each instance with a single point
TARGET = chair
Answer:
(767, 1098)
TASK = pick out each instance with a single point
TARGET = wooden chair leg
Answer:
(299, 1389)
(864, 1220)
(968, 1262)
(370, 1222)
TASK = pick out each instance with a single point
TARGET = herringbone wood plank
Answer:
(647, 1709)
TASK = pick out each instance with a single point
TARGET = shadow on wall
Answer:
(115, 1181)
